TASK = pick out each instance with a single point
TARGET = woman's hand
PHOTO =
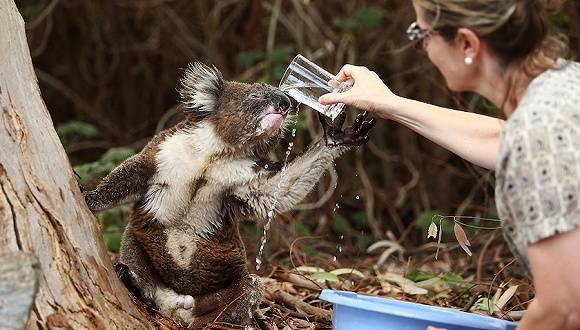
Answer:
(368, 92)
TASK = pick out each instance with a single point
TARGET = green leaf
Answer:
(250, 57)
(310, 250)
(360, 219)
(76, 128)
(429, 283)
(363, 17)
(345, 24)
(364, 240)
(281, 54)
(117, 155)
(309, 269)
(368, 17)
(419, 275)
(339, 224)
(324, 276)
(112, 241)
(344, 271)
(301, 229)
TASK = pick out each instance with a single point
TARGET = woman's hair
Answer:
(517, 31)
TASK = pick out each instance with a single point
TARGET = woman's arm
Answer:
(471, 136)
(556, 268)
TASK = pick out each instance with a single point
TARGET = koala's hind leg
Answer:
(234, 304)
(135, 269)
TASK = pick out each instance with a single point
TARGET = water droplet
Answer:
(341, 236)
(293, 132)
(357, 197)
(333, 258)
(270, 213)
(339, 248)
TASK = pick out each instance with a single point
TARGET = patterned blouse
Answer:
(538, 168)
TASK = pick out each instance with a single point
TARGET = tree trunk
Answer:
(42, 212)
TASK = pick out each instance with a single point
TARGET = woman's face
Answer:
(448, 57)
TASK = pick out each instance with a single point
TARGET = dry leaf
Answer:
(432, 232)
(405, 284)
(506, 296)
(462, 238)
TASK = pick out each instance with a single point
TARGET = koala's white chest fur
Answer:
(176, 193)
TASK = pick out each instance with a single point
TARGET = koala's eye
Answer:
(254, 96)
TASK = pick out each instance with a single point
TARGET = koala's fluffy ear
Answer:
(201, 87)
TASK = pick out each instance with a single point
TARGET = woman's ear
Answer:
(469, 43)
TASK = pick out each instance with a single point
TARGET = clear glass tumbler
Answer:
(306, 82)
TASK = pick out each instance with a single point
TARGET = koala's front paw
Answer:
(355, 135)
(91, 200)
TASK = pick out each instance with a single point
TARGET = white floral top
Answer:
(538, 168)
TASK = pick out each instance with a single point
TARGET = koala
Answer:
(193, 184)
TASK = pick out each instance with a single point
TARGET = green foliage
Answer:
(364, 240)
(424, 221)
(310, 250)
(115, 156)
(113, 222)
(279, 58)
(301, 229)
(250, 57)
(321, 275)
(75, 128)
(340, 225)
(453, 280)
(113, 241)
(112, 158)
(360, 219)
(364, 17)
(32, 11)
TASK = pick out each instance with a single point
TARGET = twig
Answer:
(282, 297)
(481, 257)
(370, 196)
(273, 25)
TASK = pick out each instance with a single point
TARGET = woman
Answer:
(502, 49)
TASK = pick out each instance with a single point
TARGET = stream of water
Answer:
(276, 195)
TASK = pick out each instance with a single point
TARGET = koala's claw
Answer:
(355, 135)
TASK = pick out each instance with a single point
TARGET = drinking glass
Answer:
(305, 82)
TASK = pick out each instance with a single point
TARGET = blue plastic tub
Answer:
(360, 312)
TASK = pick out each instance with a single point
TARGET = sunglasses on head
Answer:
(418, 35)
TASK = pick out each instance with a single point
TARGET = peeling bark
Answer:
(42, 212)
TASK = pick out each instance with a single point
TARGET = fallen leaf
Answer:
(309, 269)
(324, 276)
(344, 271)
(387, 254)
(506, 296)
(405, 284)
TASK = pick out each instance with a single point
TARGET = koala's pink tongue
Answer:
(272, 122)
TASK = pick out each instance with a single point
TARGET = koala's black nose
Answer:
(281, 100)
